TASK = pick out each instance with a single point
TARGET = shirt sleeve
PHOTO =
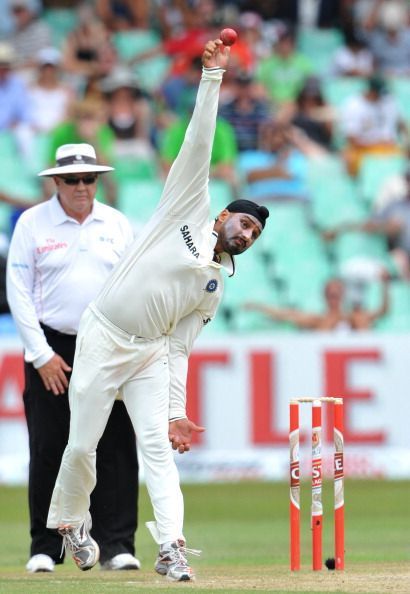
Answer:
(180, 345)
(20, 282)
(186, 188)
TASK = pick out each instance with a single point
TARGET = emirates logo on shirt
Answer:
(51, 246)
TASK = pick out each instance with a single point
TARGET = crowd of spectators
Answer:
(313, 112)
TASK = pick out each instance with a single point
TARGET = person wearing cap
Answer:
(136, 337)
(61, 252)
(130, 117)
(50, 96)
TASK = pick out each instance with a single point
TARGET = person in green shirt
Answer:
(86, 123)
(283, 73)
(224, 150)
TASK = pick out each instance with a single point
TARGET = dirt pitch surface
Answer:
(365, 579)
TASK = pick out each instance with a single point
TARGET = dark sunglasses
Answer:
(74, 181)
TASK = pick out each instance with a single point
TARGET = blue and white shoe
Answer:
(172, 562)
(84, 550)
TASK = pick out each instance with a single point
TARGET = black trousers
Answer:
(114, 499)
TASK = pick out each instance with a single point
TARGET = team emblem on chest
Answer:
(211, 286)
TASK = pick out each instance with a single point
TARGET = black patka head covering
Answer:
(261, 213)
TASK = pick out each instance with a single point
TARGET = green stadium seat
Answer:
(61, 21)
(134, 169)
(250, 283)
(319, 45)
(374, 171)
(400, 88)
(397, 318)
(287, 223)
(337, 89)
(304, 280)
(138, 199)
(20, 181)
(334, 195)
(151, 71)
(361, 247)
(221, 195)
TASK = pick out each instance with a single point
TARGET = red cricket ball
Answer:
(228, 36)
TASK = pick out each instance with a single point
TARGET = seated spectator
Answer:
(87, 123)
(354, 58)
(31, 34)
(129, 115)
(313, 115)
(394, 221)
(335, 317)
(88, 52)
(371, 123)
(123, 15)
(246, 113)
(251, 27)
(388, 35)
(278, 170)
(49, 96)
(15, 104)
(15, 112)
(184, 45)
(283, 73)
(393, 189)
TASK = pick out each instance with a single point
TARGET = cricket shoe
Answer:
(84, 550)
(172, 562)
(122, 561)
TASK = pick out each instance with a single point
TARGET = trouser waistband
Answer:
(113, 328)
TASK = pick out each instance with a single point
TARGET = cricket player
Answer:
(136, 337)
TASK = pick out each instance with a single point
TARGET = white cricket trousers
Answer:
(108, 360)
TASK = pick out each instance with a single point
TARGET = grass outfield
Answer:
(242, 530)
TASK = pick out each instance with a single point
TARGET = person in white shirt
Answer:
(136, 337)
(49, 95)
(60, 254)
(371, 123)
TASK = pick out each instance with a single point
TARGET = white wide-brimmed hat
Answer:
(75, 158)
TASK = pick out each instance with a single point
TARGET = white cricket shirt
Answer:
(56, 266)
(169, 272)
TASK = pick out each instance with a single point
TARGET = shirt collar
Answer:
(59, 216)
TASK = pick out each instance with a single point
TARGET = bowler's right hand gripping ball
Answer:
(228, 36)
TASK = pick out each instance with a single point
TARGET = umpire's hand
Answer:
(180, 434)
(53, 374)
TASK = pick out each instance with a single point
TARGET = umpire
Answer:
(61, 252)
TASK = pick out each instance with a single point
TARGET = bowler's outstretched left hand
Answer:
(180, 434)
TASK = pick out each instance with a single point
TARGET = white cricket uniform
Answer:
(56, 266)
(139, 331)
